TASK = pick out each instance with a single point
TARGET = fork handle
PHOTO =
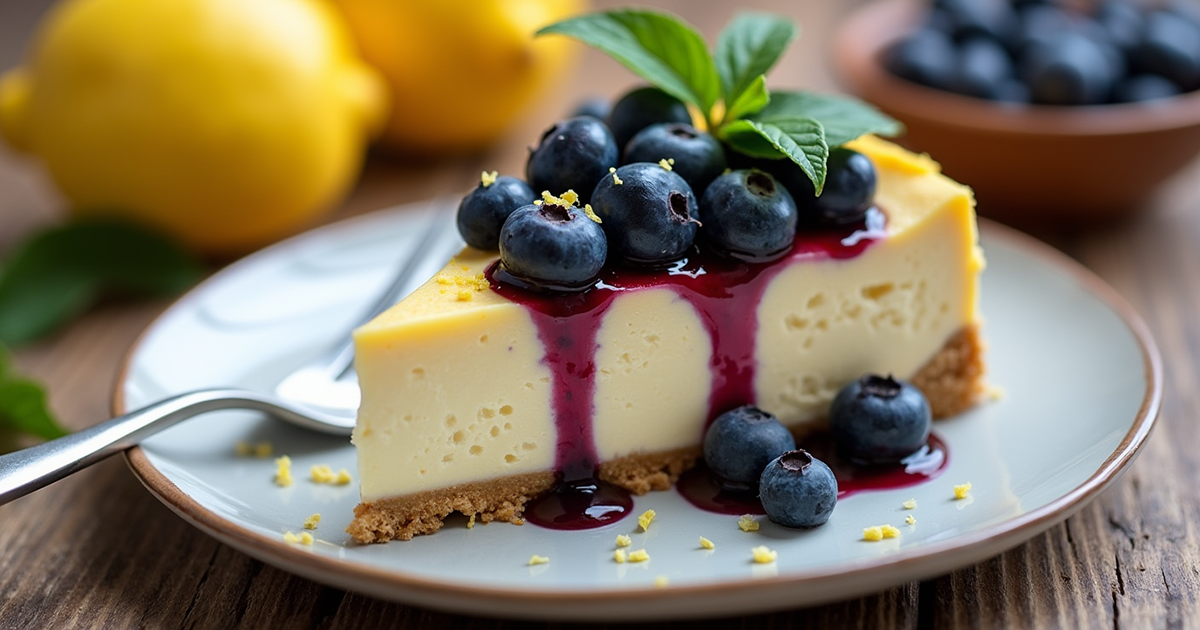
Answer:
(33, 468)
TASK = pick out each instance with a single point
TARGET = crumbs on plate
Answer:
(747, 523)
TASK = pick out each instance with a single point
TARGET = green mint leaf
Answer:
(60, 272)
(658, 47)
(800, 139)
(752, 100)
(842, 117)
(747, 48)
(23, 405)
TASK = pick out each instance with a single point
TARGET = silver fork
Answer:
(322, 395)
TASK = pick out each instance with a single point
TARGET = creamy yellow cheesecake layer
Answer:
(454, 389)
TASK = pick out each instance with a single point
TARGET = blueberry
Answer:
(983, 69)
(649, 216)
(641, 108)
(1068, 70)
(482, 212)
(595, 107)
(849, 188)
(572, 155)
(698, 157)
(1170, 47)
(879, 419)
(740, 443)
(748, 215)
(1042, 23)
(1144, 87)
(993, 19)
(798, 490)
(1122, 21)
(550, 246)
(925, 57)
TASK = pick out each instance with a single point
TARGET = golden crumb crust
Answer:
(952, 381)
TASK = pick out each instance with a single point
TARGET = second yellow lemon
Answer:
(460, 71)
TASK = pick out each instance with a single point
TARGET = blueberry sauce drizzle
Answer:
(725, 294)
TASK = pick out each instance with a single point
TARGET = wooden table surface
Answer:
(99, 550)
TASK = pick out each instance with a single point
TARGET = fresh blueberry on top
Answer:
(849, 188)
(741, 442)
(552, 247)
(649, 216)
(483, 211)
(798, 490)
(878, 419)
(572, 155)
(748, 215)
(641, 108)
(698, 157)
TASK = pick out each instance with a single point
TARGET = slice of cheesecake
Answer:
(477, 396)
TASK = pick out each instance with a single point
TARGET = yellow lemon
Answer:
(460, 71)
(226, 123)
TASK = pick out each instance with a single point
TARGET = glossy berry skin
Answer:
(1170, 47)
(741, 442)
(483, 211)
(699, 158)
(798, 490)
(748, 215)
(1144, 87)
(879, 419)
(551, 247)
(572, 155)
(641, 108)
(849, 191)
(983, 69)
(649, 217)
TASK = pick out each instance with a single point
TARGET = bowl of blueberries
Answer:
(1058, 113)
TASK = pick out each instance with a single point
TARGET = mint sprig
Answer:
(58, 273)
(23, 407)
(729, 86)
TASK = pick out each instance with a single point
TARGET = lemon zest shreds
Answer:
(910, 504)
(910, 520)
(623, 540)
(873, 533)
(661, 581)
(960, 491)
(536, 559)
(311, 522)
(747, 523)
(304, 538)
(646, 518)
(322, 473)
(890, 532)
(283, 471)
(616, 180)
(488, 178)
(343, 477)
(619, 556)
(706, 543)
(263, 450)
(763, 555)
(639, 556)
(571, 197)
(471, 522)
(667, 163)
(591, 214)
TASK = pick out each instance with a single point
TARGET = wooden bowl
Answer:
(1031, 166)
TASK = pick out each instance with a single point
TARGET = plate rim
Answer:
(579, 604)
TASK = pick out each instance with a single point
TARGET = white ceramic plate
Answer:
(1080, 377)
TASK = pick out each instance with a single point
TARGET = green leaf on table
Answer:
(23, 405)
(658, 47)
(752, 100)
(800, 139)
(842, 117)
(747, 48)
(60, 272)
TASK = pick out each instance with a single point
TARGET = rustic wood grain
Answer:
(97, 550)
